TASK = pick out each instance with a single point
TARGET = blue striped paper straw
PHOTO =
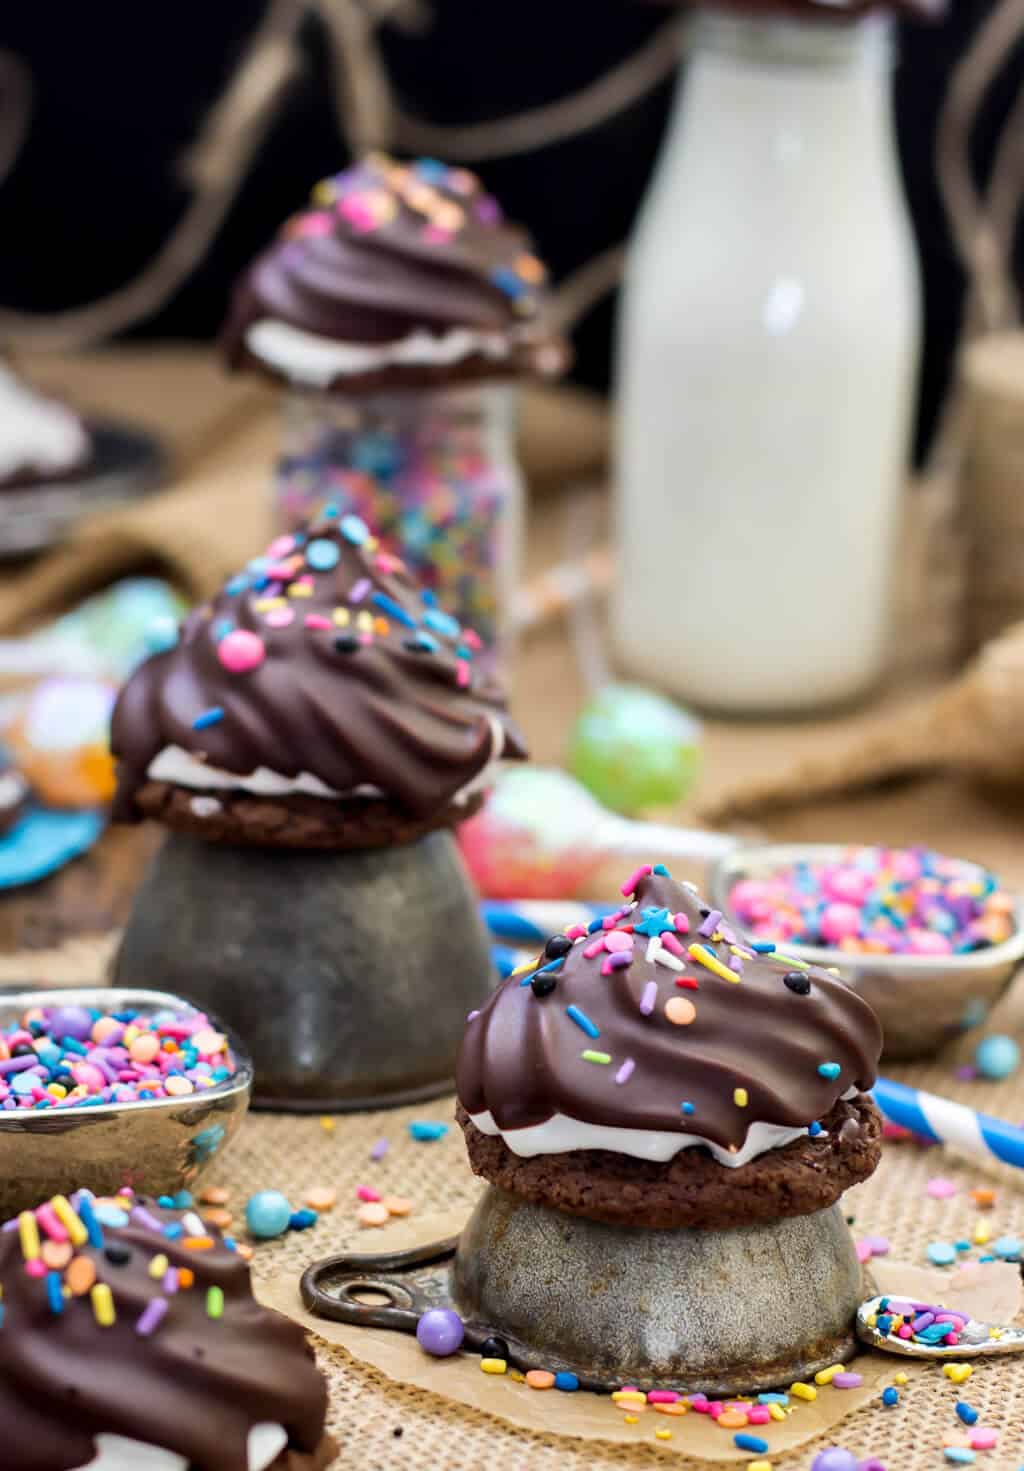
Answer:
(949, 1123)
(532, 921)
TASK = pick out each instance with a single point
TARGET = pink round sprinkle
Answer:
(984, 1438)
(241, 650)
(355, 209)
(939, 1188)
(879, 1245)
(848, 885)
(847, 1381)
(839, 921)
(313, 224)
(367, 1192)
(925, 942)
(618, 940)
(88, 1075)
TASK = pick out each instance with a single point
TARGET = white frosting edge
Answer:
(174, 764)
(119, 1453)
(36, 433)
(560, 1134)
(307, 358)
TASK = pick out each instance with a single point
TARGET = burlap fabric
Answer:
(382, 1424)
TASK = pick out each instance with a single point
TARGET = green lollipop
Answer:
(634, 749)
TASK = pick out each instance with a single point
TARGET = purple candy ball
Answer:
(70, 1021)
(835, 1459)
(440, 1332)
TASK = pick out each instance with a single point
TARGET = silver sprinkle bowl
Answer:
(922, 1001)
(157, 1147)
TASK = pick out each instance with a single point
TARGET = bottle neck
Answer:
(825, 42)
(776, 98)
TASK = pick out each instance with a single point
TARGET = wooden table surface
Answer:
(207, 419)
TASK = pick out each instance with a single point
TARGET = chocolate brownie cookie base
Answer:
(299, 821)
(692, 1189)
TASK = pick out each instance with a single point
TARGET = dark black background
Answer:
(121, 88)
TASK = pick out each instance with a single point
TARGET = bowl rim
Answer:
(116, 998)
(750, 859)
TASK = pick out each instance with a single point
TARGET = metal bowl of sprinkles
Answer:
(157, 1145)
(922, 1001)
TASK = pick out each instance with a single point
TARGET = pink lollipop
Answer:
(541, 835)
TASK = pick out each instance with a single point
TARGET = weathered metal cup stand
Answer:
(620, 1305)
(347, 975)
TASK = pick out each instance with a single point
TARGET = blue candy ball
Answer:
(440, 1332)
(268, 1214)
(322, 554)
(161, 634)
(997, 1057)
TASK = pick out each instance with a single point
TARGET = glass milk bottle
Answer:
(768, 347)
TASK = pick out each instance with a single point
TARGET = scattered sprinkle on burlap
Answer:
(295, 1153)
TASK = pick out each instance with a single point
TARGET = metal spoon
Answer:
(975, 1340)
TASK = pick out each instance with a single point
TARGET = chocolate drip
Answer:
(366, 684)
(195, 1385)
(521, 1057)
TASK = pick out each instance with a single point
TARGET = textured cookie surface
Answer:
(291, 822)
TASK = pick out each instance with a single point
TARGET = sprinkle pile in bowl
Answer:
(877, 901)
(77, 1056)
